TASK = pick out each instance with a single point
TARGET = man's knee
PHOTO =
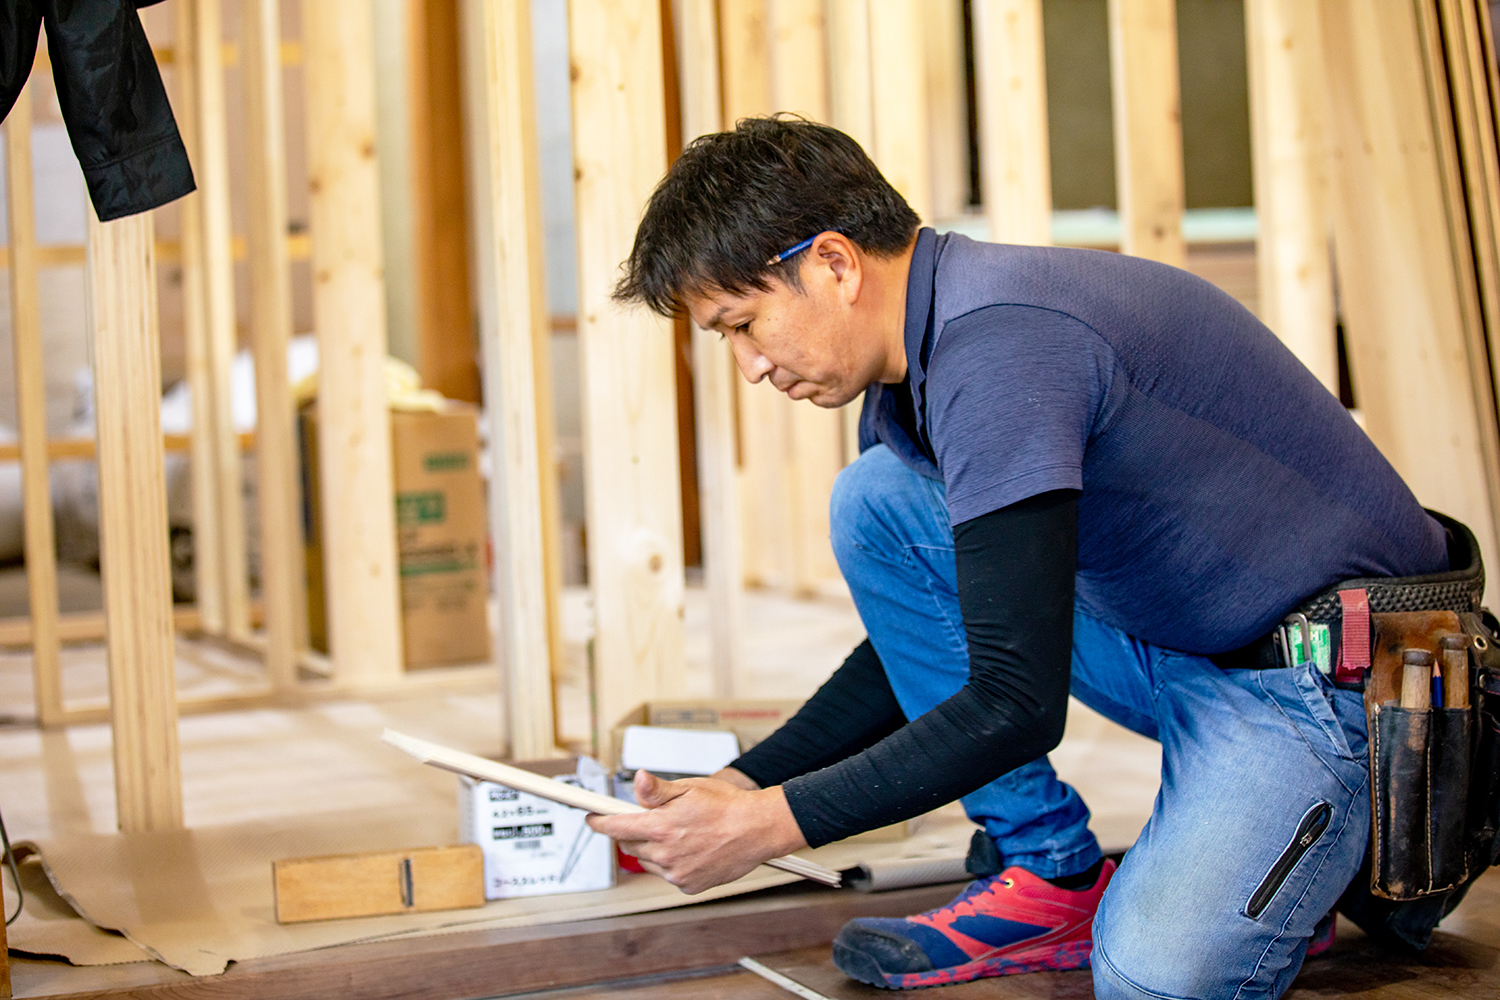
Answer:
(1133, 960)
(877, 503)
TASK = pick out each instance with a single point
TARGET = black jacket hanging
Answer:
(111, 96)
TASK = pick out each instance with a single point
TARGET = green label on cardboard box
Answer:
(446, 461)
(421, 508)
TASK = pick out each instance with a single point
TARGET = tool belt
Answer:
(1427, 657)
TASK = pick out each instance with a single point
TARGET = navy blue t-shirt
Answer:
(1221, 482)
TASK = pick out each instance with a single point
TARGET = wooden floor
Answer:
(1463, 961)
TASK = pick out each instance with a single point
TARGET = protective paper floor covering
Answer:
(200, 899)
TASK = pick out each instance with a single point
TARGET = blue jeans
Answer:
(1247, 756)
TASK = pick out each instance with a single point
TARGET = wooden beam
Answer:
(276, 462)
(898, 95)
(1148, 128)
(359, 542)
(31, 414)
(446, 347)
(697, 37)
(809, 445)
(208, 575)
(947, 106)
(745, 56)
(133, 523)
(212, 172)
(1011, 87)
(629, 406)
(514, 333)
(1285, 43)
(1408, 308)
(851, 112)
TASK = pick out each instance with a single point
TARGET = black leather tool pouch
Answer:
(1419, 762)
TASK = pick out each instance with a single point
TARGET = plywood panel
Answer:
(1011, 87)
(632, 491)
(1408, 313)
(364, 620)
(133, 522)
(31, 414)
(1148, 128)
(1287, 142)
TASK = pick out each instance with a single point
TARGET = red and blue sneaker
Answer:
(1008, 923)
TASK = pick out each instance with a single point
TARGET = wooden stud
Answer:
(1148, 128)
(851, 112)
(745, 56)
(1406, 313)
(276, 462)
(218, 286)
(697, 34)
(446, 348)
(515, 331)
(1012, 96)
(31, 413)
(359, 542)
(898, 95)
(629, 407)
(208, 576)
(810, 447)
(1285, 44)
(133, 523)
(947, 107)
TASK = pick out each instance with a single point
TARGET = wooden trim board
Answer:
(492, 963)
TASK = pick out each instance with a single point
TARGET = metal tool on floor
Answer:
(785, 982)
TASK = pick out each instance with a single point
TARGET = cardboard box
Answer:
(749, 720)
(441, 532)
(532, 846)
(441, 535)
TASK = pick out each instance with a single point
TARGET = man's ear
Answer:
(839, 254)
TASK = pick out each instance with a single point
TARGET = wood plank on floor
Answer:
(1462, 961)
(505, 962)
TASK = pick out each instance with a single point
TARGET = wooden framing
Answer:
(208, 576)
(1410, 310)
(1148, 128)
(276, 462)
(1012, 96)
(446, 347)
(31, 413)
(632, 492)
(359, 541)
(1285, 44)
(898, 98)
(218, 297)
(850, 111)
(133, 523)
(515, 333)
(947, 106)
(697, 35)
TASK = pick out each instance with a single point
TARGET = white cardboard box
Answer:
(533, 847)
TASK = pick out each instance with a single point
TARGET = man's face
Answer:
(812, 343)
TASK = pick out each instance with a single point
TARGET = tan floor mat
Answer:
(200, 899)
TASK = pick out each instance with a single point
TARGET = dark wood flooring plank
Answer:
(1462, 961)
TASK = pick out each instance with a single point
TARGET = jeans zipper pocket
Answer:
(1308, 831)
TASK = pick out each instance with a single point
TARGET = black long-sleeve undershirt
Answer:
(847, 763)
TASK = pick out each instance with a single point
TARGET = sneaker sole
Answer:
(1056, 958)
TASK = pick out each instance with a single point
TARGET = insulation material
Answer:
(199, 899)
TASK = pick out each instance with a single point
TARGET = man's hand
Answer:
(703, 832)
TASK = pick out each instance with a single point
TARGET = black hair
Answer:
(733, 200)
